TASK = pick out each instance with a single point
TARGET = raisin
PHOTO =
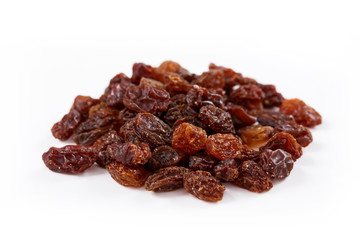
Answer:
(197, 97)
(285, 142)
(83, 104)
(211, 79)
(146, 98)
(253, 178)
(204, 186)
(249, 96)
(89, 137)
(189, 138)
(240, 116)
(272, 97)
(227, 170)
(223, 146)
(100, 147)
(64, 129)
(69, 159)
(176, 100)
(255, 136)
(128, 175)
(142, 70)
(166, 179)
(163, 156)
(152, 130)
(116, 95)
(278, 164)
(178, 112)
(169, 67)
(119, 78)
(303, 114)
(274, 119)
(152, 82)
(175, 84)
(217, 119)
(202, 161)
(248, 153)
(125, 115)
(130, 153)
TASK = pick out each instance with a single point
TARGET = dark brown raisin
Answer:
(240, 116)
(278, 164)
(197, 97)
(125, 115)
(166, 179)
(227, 170)
(175, 84)
(152, 82)
(63, 130)
(202, 161)
(253, 178)
(100, 147)
(142, 70)
(163, 156)
(176, 100)
(128, 175)
(303, 114)
(130, 153)
(69, 159)
(147, 99)
(217, 119)
(223, 146)
(204, 186)
(83, 104)
(189, 138)
(178, 112)
(169, 67)
(211, 79)
(272, 97)
(250, 97)
(116, 95)
(285, 142)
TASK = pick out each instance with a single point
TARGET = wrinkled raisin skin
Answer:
(166, 179)
(256, 135)
(217, 119)
(100, 147)
(128, 175)
(202, 161)
(130, 153)
(163, 156)
(253, 178)
(63, 129)
(189, 138)
(278, 164)
(69, 159)
(223, 146)
(204, 186)
(227, 170)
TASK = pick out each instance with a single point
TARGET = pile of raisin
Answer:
(166, 128)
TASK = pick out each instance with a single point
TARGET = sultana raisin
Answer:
(204, 186)
(189, 138)
(303, 114)
(166, 179)
(69, 159)
(253, 178)
(223, 146)
(128, 175)
(278, 164)
(256, 135)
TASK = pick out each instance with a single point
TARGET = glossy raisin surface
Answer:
(69, 159)
(128, 175)
(166, 179)
(227, 170)
(130, 153)
(164, 156)
(100, 147)
(202, 161)
(278, 164)
(204, 186)
(256, 135)
(189, 138)
(223, 146)
(217, 119)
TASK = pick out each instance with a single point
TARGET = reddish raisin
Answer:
(223, 146)
(249, 96)
(255, 136)
(202, 161)
(130, 153)
(189, 138)
(142, 70)
(175, 84)
(100, 147)
(128, 175)
(212, 79)
(125, 115)
(166, 179)
(152, 82)
(240, 116)
(163, 156)
(178, 112)
(272, 97)
(62, 130)
(69, 159)
(227, 170)
(253, 178)
(278, 164)
(204, 186)
(217, 119)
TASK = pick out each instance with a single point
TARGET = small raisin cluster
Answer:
(166, 128)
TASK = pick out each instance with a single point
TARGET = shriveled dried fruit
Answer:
(175, 84)
(65, 127)
(178, 99)
(227, 170)
(116, 95)
(303, 114)
(125, 115)
(166, 179)
(204, 186)
(130, 153)
(128, 175)
(163, 156)
(278, 164)
(147, 99)
(142, 70)
(239, 115)
(178, 112)
(223, 146)
(253, 178)
(202, 161)
(256, 135)
(272, 97)
(100, 147)
(82, 104)
(69, 159)
(169, 67)
(197, 97)
(189, 138)
(152, 82)
(249, 96)
(211, 79)
(285, 142)
(217, 119)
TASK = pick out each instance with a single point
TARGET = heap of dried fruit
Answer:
(167, 128)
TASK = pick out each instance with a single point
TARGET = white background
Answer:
(51, 51)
